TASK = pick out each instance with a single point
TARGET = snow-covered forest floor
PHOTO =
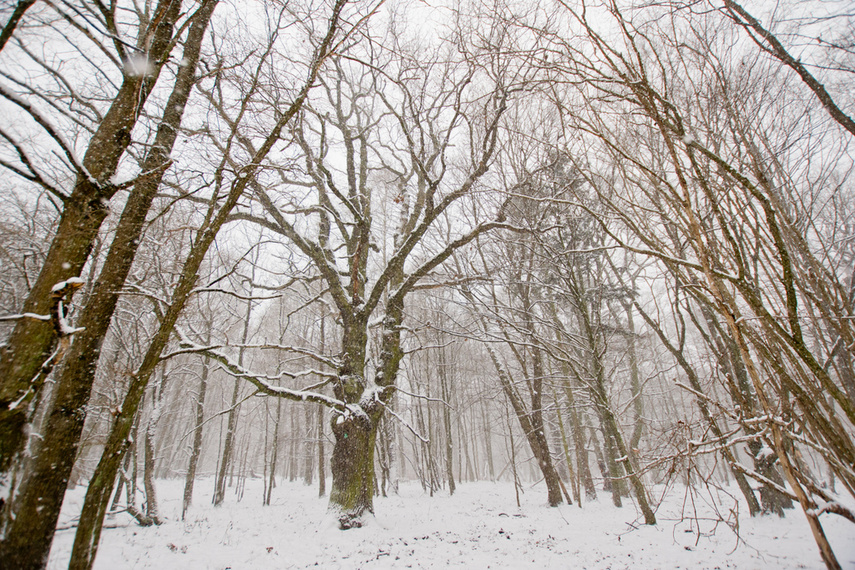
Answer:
(479, 527)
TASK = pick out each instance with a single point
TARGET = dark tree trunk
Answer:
(20, 8)
(66, 420)
(97, 496)
(534, 434)
(352, 493)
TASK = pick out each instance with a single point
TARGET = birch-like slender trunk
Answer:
(196, 450)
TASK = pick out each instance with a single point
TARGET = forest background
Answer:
(606, 245)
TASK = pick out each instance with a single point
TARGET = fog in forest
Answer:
(570, 259)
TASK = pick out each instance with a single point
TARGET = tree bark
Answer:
(271, 481)
(65, 423)
(352, 493)
(308, 446)
(534, 434)
(228, 445)
(322, 472)
(234, 414)
(446, 417)
(151, 510)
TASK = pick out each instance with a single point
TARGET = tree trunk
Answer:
(634, 479)
(611, 473)
(309, 447)
(579, 440)
(271, 475)
(20, 8)
(635, 386)
(733, 369)
(574, 479)
(65, 423)
(228, 445)
(234, 412)
(534, 434)
(151, 510)
(488, 437)
(383, 459)
(322, 472)
(293, 446)
(352, 493)
(694, 382)
(196, 451)
(446, 416)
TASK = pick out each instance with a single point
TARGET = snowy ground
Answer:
(479, 527)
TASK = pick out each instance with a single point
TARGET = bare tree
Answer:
(737, 216)
(401, 124)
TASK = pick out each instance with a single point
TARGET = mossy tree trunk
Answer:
(352, 464)
(354, 430)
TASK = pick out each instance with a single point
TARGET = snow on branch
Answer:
(703, 397)
(59, 317)
(263, 382)
(835, 508)
(765, 480)
(423, 397)
(59, 292)
(190, 348)
(413, 279)
(406, 425)
(21, 316)
(136, 289)
(236, 295)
